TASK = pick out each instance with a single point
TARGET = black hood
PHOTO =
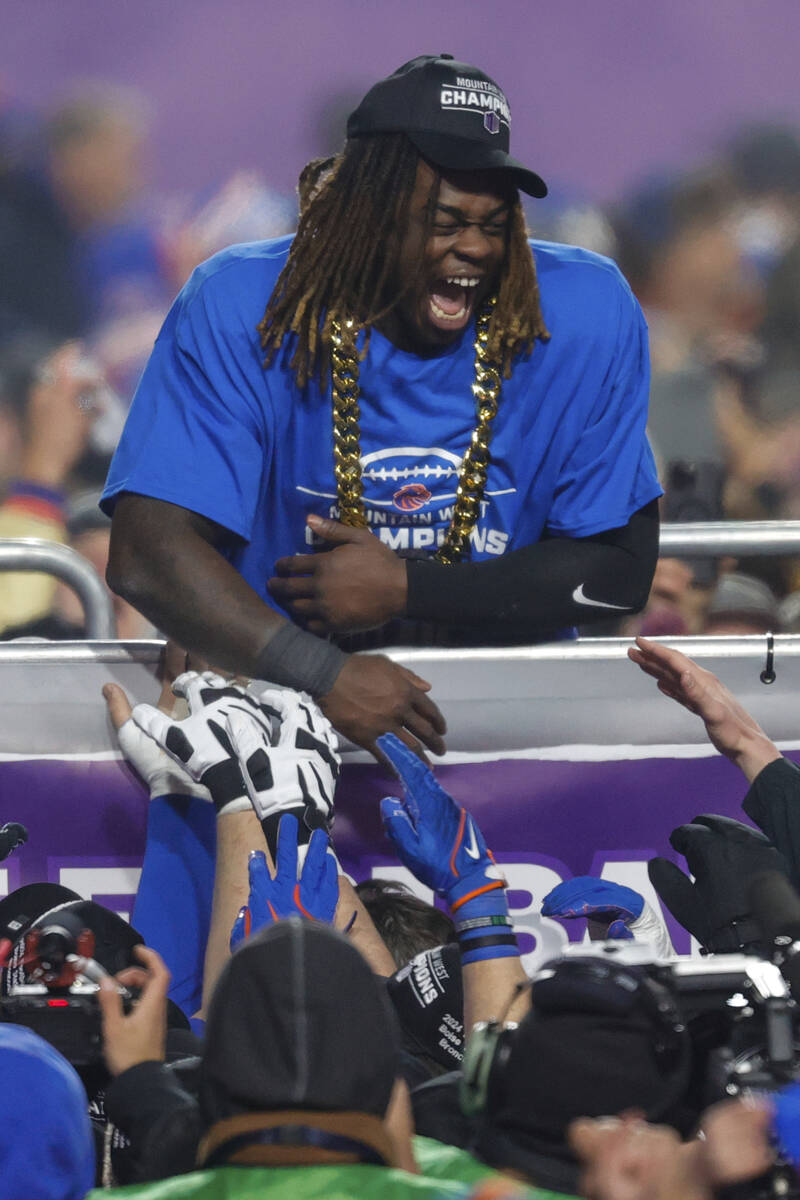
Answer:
(298, 1020)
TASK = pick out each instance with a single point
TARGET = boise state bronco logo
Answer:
(411, 496)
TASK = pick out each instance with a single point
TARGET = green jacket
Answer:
(447, 1172)
(354, 1182)
(440, 1161)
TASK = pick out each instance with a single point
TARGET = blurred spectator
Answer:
(764, 164)
(742, 605)
(679, 250)
(46, 1143)
(46, 417)
(66, 234)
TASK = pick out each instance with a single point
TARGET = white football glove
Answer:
(160, 772)
(651, 927)
(200, 742)
(299, 771)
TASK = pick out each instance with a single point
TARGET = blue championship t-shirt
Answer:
(213, 431)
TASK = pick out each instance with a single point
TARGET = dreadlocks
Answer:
(344, 256)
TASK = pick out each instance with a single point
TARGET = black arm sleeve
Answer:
(773, 802)
(536, 587)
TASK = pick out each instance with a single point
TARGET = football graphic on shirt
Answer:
(407, 478)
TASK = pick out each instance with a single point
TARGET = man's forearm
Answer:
(563, 581)
(170, 571)
(164, 561)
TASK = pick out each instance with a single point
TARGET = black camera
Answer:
(50, 982)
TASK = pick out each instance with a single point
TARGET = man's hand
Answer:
(301, 887)
(722, 855)
(373, 695)
(59, 417)
(729, 726)
(617, 911)
(158, 770)
(299, 766)
(627, 1159)
(736, 1139)
(434, 837)
(200, 743)
(358, 584)
(140, 1035)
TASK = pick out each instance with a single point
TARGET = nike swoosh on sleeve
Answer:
(579, 598)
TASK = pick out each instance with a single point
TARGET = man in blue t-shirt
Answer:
(455, 414)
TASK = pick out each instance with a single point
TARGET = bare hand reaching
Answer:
(729, 726)
(373, 695)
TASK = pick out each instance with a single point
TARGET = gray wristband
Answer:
(297, 659)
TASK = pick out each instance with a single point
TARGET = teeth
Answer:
(443, 316)
(462, 281)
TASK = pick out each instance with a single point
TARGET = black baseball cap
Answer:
(456, 116)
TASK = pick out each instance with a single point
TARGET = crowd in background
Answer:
(311, 1061)
(92, 258)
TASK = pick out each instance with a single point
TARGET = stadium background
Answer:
(604, 98)
(601, 94)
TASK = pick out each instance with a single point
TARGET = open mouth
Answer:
(451, 301)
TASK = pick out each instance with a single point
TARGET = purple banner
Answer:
(545, 821)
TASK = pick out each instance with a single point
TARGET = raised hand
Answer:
(729, 726)
(303, 885)
(624, 912)
(587, 896)
(200, 742)
(434, 837)
(723, 855)
(293, 770)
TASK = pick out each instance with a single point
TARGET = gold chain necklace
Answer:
(347, 434)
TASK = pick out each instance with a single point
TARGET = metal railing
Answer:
(35, 554)
(695, 539)
(714, 538)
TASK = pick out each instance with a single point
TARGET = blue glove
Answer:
(786, 1121)
(434, 837)
(442, 846)
(587, 896)
(313, 893)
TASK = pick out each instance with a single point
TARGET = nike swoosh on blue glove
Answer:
(434, 837)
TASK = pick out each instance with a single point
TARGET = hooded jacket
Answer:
(46, 1144)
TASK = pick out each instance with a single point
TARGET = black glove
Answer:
(722, 855)
(11, 835)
